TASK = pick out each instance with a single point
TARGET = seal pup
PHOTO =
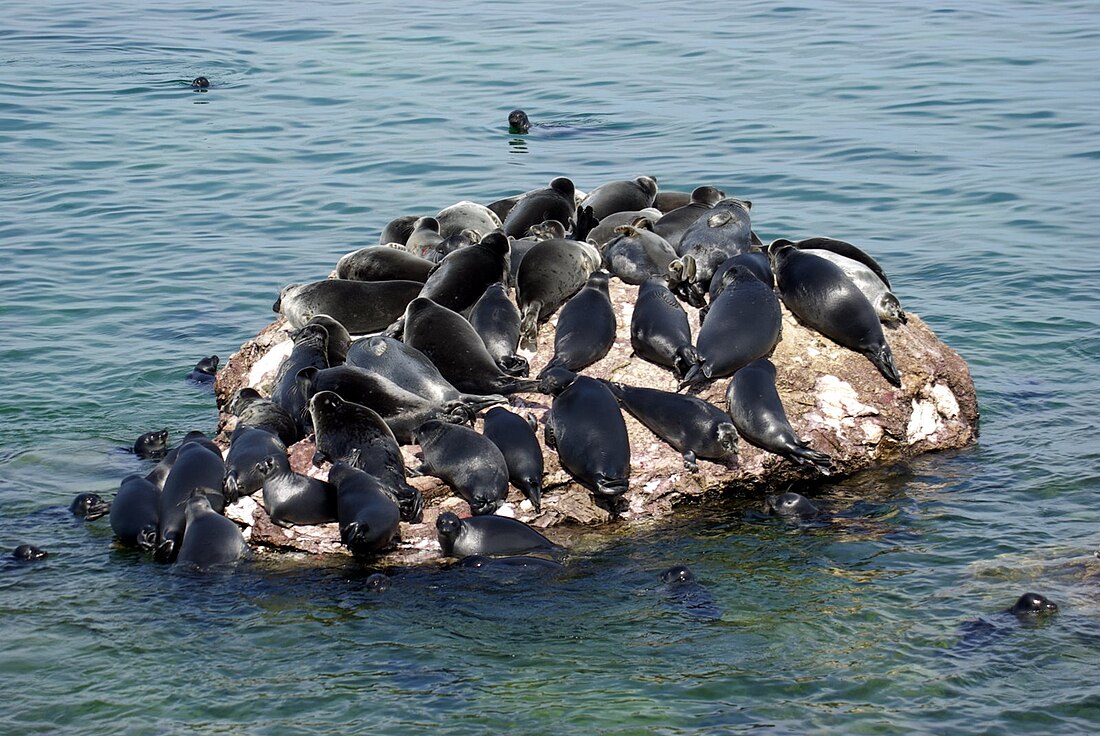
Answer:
(453, 345)
(134, 515)
(397, 230)
(819, 294)
(496, 319)
(468, 462)
(790, 504)
(195, 466)
(254, 410)
(586, 428)
(424, 238)
(28, 552)
(551, 272)
(659, 330)
(674, 223)
(586, 327)
(637, 253)
(619, 196)
(518, 122)
(466, 215)
(515, 437)
(724, 232)
(742, 324)
(247, 447)
(361, 307)
(369, 519)
(556, 202)
(209, 538)
(89, 506)
(491, 536)
(758, 414)
(292, 498)
(205, 370)
(152, 445)
(694, 427)
(383, 263)
(359, 436)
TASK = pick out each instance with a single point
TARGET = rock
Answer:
(834, 398)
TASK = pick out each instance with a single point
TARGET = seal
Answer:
(1033, 604)
(361, 307)
(496, 319)
(675, 222)
(339, 340)
(134, 515)
(605, 230)
(195, 467)
(377, 583)
(89, 506)
(247, 447)
(205, 370)
(397, 230)
(682, 589)
(209, 539)
(424, 238)
(491, 536)
(659, 330)
(466, 461)
(755, 261)
(842, 248)
(517, 564)
(466, 215)
(159, 474)
(723, 233)
(152, 445)
(586, 428)
(790, 504)
(453, 345)
(742, 324)
(254, 410)
(551, 272)
(695, 428)
(292, 498)
(886, 304)
(758, 414)
(556, 202)
(359, 436)
(27, 552)
(1028, 610)
(200, 83)
(819, 294)
(518, 122)
(383, 263)
(637, 253)
(515, 437)
(369, 518)
(454, 242)
(620, 196)
(310, 351)
(586, 327)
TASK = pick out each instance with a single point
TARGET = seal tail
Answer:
(520, 386)
(883, 359)
(616, 389)
(612, 486)
(529, 327)
(687, 362)
(515, 365)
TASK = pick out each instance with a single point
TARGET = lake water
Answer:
(144, 225)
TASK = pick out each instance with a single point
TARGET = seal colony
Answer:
(516, 372)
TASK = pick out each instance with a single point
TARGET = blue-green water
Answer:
(144, 225)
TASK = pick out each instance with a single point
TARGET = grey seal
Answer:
(586, 326)
(383, 263)
(292, 498)
(361, 307)
(758, 414)
(556, 202)
(491, 536)
(515, 437)
(209, 538)
(551, 272)
(819, 294)
(369, 519)
(467, 462)
(620, 196)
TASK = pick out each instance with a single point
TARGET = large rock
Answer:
(834, 398)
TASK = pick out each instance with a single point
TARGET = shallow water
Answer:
(145, 225)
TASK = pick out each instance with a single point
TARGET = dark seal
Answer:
(491, 536)
(466, 461)
(515, 437)
(89, 506)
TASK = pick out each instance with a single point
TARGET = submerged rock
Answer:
(835, 399)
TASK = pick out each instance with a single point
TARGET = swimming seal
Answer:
(383, 263)
(491, 536)
(209, 538)
(496, 320)
(134, 515)
(819, 294)
(89, 506)
(742, 324)
(619, 196)
(205, 370)
(758, 414)
(790, 504)
(369, 519)
(451, 343)
(518, 122)
(254, 410)
(361, 307)
(684, 590)
(515, 437)
(247, 447)
(513, 564)
(200, 83)
(292, 498)
(466, 461)
(1033, 604)
(377, 583)
(586, 326)
(556, 202)
(152, 445)
(551, 272)
(659, 330)
(586, 428)
(695, 428)
(29, 552)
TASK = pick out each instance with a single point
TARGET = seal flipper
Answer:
(687, 360)
(690, 461)
(584, 223)
(514, 365)
(529, 326)
(808, 457)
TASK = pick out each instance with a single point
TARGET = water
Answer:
(145, 225)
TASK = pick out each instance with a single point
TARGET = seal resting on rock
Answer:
(491, 536)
